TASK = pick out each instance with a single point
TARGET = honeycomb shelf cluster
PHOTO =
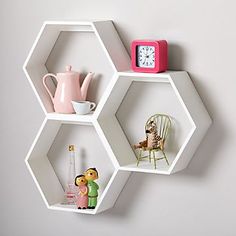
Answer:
(124, 102)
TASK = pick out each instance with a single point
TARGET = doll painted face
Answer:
(91, 174)
(80, 180)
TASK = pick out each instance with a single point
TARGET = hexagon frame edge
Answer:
(197, 113)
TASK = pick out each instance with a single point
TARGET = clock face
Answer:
(146, 56)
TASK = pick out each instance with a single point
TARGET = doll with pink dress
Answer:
(82, 193)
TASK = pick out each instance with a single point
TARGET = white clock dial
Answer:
(146, 56)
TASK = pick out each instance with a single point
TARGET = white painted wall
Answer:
(198, 201)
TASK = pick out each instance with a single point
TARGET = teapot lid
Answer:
(69, 71)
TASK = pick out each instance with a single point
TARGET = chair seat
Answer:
(150, 148)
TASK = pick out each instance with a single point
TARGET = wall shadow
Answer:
(175, 57)
(212, 142)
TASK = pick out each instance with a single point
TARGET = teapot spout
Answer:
(85, 85)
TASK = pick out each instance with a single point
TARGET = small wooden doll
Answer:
(91, 174)
(82, 194)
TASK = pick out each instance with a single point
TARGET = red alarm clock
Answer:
(150, 56)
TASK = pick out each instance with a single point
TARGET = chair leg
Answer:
(139, 156)
(149, 155)
(165, 158)
(154, 159)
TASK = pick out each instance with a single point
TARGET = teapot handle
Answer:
(45, 85)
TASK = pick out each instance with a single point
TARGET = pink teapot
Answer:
(68, 89)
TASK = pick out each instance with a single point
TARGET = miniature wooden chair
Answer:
(162, 123)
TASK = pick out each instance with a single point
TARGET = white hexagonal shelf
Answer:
(48, 158)
(87, 46)
(124, 101)
(133, 97)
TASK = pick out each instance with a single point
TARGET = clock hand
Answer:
(150, 54)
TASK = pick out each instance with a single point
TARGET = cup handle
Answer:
(45, 85)
(92, 106)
